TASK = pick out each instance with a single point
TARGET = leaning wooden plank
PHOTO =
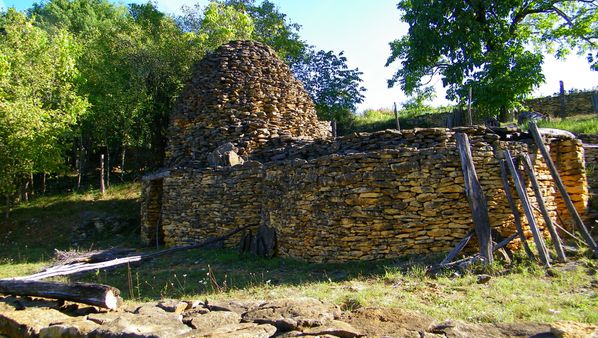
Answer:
(556, 240)
(476, 198)
(453, 253)
(93, 294)
(527, 209)
(562, 190)
(516, 214)
(65, 270)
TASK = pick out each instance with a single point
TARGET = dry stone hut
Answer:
(246, 148)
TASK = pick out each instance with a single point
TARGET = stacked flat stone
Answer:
(359, 197)
(242, 94)
(575, 103)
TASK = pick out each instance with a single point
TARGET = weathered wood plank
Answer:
(533, 128)
(556, 240)
(527, 209)
(475, 196)
(514, 209)
(455, 251)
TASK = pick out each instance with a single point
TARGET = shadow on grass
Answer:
(212, 271)
(35, 230)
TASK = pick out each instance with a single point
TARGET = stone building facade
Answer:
(358, 197)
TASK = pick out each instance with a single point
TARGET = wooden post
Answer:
(556, 240)
(562, 190)
(469, 115)
(529, 214)
(476, 198)
(333, 125)
(563, 110)
(397, 117)
(102, 186)
(516, 214)
(453, 253)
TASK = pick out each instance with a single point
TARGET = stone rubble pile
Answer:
(293, 317)
(242, 93)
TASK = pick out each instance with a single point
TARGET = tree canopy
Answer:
(39, 103)
(84, 77)
(494, 47)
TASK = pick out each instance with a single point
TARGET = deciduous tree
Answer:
(494, 47)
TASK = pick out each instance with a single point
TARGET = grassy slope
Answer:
(525, 293)
(581, 124)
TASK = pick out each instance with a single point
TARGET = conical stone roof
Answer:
(242, 94)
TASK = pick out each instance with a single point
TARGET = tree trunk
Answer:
(102, 186)
(7, 211)
(93, 294)
(107, 168)
(504, 115)
(44, 183)
(31, 186)
(122, 162)
(25, 191)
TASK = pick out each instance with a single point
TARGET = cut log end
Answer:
(112, 300)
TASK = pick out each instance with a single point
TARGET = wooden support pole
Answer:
(469, 114)
(93, 294)
(556, 240)
(453, 253)
(477, 199)
(562, 190)
(514, 209)
(529, 214)
(397, 117)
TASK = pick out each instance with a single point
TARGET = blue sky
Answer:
(363, 29)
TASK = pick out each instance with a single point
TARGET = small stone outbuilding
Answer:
(246, 148)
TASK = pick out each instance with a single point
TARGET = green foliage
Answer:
(273, 28)
(39, 104)
(494, 47)
(334, 87)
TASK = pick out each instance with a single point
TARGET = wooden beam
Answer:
(453, 253)
(475, 196)
(533, 128)
(556, 240)
(93, 294)
(529, 214)
(514, 209)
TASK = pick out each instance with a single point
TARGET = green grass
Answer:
(522, 292)
(581, 124)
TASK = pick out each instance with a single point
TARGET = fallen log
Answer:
(93, 294)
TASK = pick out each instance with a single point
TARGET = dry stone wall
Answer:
(242, 93)
(590, 146)
(362, 197)
(575, 104)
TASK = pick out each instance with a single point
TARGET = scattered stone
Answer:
(335, 328)
(137, 325)
(239, 306)
(173, 305)
(213, 320)
(292, 314)
(483, 279)
(574, 330)
(242, 330)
